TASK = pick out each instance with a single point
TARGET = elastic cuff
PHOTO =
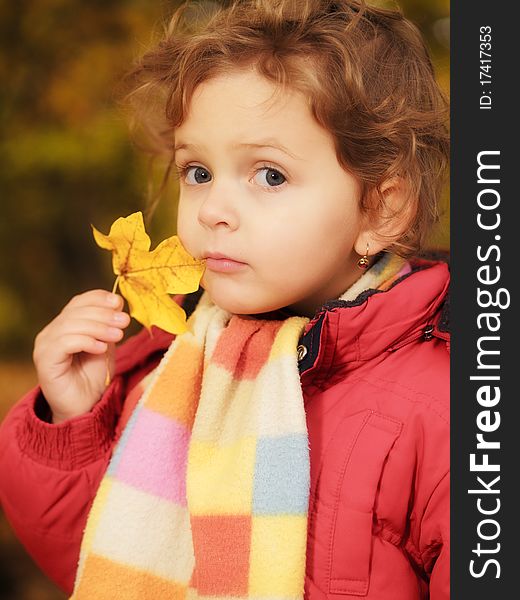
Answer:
(76, 442)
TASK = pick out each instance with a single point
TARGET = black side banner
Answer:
(485, 368)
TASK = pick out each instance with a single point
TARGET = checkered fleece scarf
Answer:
(206, 494)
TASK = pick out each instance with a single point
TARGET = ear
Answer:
(388, 217)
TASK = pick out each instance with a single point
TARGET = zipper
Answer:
(427, 333)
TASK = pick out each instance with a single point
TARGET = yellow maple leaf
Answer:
(146, 279)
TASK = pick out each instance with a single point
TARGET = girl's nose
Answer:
(217, 208)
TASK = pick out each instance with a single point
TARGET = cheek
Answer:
(186, 222)
(314, 247)
(288, 254)
(307, 233)
(182, 233)
(189, 242)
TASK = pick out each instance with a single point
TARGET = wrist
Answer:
(76, 442)
(57, 417)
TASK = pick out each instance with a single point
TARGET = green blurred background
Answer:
(66, 161)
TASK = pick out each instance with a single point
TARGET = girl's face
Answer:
(260, 184)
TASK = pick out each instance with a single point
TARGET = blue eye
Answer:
(273, 177)
(200, 174)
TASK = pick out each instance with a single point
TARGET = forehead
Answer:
(243, 90)
(242, 105)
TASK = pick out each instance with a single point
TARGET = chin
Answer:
(237, 308)
(234, 306)
(241, 298)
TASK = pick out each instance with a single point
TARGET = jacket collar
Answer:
(349, 332)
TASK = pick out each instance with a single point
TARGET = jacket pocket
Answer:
(369, 437)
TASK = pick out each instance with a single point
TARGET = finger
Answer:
(100, 314)
(50, 341)
(88, 327)
(75, 343)
(97, 298)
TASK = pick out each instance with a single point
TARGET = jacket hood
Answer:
(379, 321)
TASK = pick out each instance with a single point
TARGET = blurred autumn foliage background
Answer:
(66, 161)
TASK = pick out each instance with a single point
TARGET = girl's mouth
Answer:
(224, 265)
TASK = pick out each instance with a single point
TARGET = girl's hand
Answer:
(70, 353)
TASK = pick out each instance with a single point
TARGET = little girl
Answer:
(294, 442)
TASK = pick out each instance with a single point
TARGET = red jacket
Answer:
(375, 379)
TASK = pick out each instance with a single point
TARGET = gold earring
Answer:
(362, 263)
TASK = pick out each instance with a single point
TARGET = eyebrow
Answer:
(273, 144)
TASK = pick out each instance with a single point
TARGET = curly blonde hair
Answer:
(365, 71)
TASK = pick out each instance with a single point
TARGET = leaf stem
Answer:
(107, 362)
(116, 283)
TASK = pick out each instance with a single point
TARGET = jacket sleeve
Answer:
(435, 540)
(49, 473)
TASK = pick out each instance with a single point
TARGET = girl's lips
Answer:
(224, 265)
